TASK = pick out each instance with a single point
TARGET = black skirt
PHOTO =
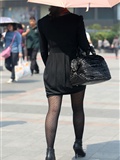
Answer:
(57, 75)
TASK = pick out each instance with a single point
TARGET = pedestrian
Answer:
(115, 46)
(100, 44)
(90, 42)
(4, 32)
(62, 41)
(32, 44)
(106, 44)
(16, 50)
(89, 38)
(1, 43)
(3, 36)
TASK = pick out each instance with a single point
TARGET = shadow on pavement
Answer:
(102, 151)
(8, 123)
(27, 81)
(6, 92)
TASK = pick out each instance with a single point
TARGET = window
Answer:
(118, 12)
(1, 11)
(105, 13)
(21, 14)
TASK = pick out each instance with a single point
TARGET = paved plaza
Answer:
(23, 111)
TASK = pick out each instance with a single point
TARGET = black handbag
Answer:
(89, 69)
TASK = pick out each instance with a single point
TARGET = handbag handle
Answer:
(80, 52)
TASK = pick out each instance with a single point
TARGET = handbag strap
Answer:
(91, 50)
(13, 39)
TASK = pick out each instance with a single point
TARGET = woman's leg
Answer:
(14, 57)
(78, 122)
(52, 119)
(78, 114)
(8, 62)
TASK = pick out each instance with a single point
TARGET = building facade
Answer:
(102, 16)
(19, 10)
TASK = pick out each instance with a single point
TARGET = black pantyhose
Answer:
(53, 115)
(52, 119)
(78, 114)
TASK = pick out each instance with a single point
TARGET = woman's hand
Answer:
(20, 55)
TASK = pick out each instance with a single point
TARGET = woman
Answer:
(16, 50)
(63, 32)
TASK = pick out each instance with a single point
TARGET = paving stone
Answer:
(24, 108)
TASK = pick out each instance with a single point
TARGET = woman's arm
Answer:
(43, 44)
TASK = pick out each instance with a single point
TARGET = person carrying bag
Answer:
(15, 51)
(6, 53)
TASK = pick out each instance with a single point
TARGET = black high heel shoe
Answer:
(78, 149)
(50, 155)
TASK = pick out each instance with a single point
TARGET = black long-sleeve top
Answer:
(64, 32)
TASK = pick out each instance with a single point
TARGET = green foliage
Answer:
(95, 27)
(116, 28)
(102, 33)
